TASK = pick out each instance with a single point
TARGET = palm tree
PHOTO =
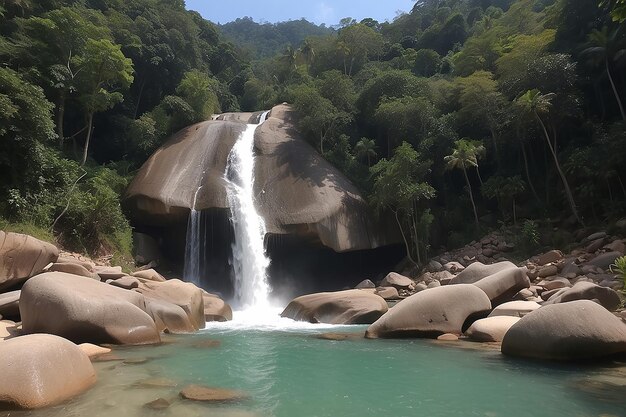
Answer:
(466, 154)
(604, 47)
(536, 104)
(366, 149)
(307, 52)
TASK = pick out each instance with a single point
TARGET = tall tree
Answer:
(465, 155)
(103, 70)
(606, 46)
(537, 104)
(366, 149)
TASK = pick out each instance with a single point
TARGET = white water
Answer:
(249, 260)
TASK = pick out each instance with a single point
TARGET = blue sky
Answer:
(317, 11)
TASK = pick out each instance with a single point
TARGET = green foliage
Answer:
(529, 236)
(199, 91)
(619, 267)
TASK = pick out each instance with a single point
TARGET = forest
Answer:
(458, 117)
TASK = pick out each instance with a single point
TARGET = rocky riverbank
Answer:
(56, 308)
(555, 305)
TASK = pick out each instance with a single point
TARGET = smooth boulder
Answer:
(23, 256)
(491, 329)
(584, 290)
(397, 281)
(10, 305)
(432, 312)
(216, 309)
(85, 310)
(569, 331)
(342, 307)
(504, 284)
(477, 271)
(169, 317)
(515, 309)
(41, 370)
(183, 294)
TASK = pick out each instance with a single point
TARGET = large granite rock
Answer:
(216, 309)
(501, 286)
(183, 294)
(477, 271)
(432, 312)
(515, 309)
(41, 370)
(342, 307)
(169, 317)
(84, 310)
(298, 192)
(491, 329)
(23, 256)
(569, 331)
(400, 282)
(584, 290)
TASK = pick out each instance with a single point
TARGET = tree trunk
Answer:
(89, 130)
(514, 215)
(141, 87)
(406, 243)
(480, 178)
(494, 138)
(530, 182)
(60, 119)
(619, 101)
(471, 196)
(568, 191)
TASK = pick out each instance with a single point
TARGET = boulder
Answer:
(216, 309)
(85, 310)
(604, 260)
(616, 246)
(453, 267)
(569, 331)
(10, 305)
(149, 275)
(75, 258)
(515, 309)
(491, 329)
(397, 281)
(21, 257)
(93, 351)
(477, 271)
(169, 317)
(420, 287)
(74, 269)
(183, 294)
(432, 312)
(342, 307)
(584, 290)
(549, 257)
(547, 271)
(503, 285)
(212, 395)
(595, 245)
(127, 282)
(388, 293)
(41, 370)
(298, 192)
(556, 284)
(145, 249)
(366, 283)
(109, 272)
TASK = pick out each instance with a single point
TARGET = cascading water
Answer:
(194, 247)
(249, 260)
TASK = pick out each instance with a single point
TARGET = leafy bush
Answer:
(619, 266)
(529, 235)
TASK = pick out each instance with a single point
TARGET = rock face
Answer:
(515, 309)
(568, 331)
(84, 310)
(342, 307)
(298, 192)
(491, 329)
(477, 271)
(183, 294)
(41, 370)
(583, 290)
(432, 312)
(169, 317)
(23, 256)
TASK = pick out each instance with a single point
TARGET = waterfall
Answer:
(249, 260)
(194, 247)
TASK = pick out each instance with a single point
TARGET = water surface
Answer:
(289, 371)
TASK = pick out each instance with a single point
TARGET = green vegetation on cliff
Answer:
(456, 117)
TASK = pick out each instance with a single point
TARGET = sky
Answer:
(317, 11)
